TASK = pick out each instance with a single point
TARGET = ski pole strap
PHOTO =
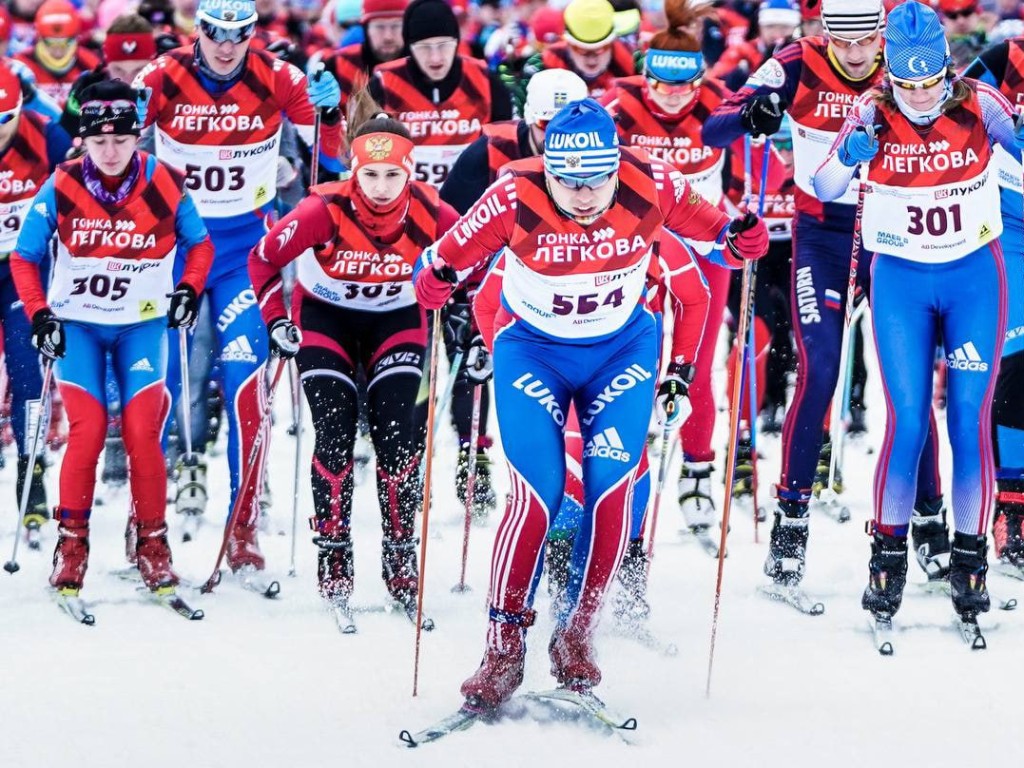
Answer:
(524, 619)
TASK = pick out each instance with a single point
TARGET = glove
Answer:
(762, 115)
(434, 286)
(672, 401)
(48, 334)
(285, 338)
(458, 321)
(286, 172)
(323, 90)
(142, 104)
(860, 146)
(479, 366)
(748, 237)
(184, 309)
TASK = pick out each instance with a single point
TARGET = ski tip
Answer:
(886, 649)
(11, 567)
(817, 609)
(273, 590)
(1008, 605)
(197, 615)
(186, 537)
(629, 724)
(406, 738)
(979, 643)
(428, 625)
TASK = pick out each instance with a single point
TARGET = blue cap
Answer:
(784, 12)
(581, 141)
(673, 66)
(229, 14)
(915, 43)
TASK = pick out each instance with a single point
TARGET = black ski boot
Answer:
(968, 565)
(787, 551)
(887, 575)
(743, 474)
(484, 498)
(771, 419)
(335, 568)
(37, 512)
(630, 605)
(821, 471)
(858, 412)
(930, 536)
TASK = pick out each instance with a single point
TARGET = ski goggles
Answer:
(220, 35)
(116, 108)
(917, 85)
(961, 14)
(590, 182)
(670, 89)
(843, 44)
(786, 145)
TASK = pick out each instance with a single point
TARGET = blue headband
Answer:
(674, 66)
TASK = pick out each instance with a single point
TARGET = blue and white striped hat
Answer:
(581, 141)
(915, 43)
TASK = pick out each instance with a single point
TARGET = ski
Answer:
(883, 633)
(459, 720)
(941, 587)
(589, 703)
(833, 508)
(409, 609)
(170, 599)
(702, 534)
(343, 616)
(745, 502)
(1008, 569)
(73, 606)
(644, 637)
(252, 580)
(792, 596)
(970, 632)
(190, 525)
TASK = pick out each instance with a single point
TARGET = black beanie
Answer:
(424, 19)
(108, 108)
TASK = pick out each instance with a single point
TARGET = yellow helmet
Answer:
(589, 23)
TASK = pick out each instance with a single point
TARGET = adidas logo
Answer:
(966, 358)
(238, 351)
(606, 445)
(142, 365)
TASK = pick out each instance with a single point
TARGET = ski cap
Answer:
(915, 43)
(549, 91)
(547, 25)
(782, 12)
(424, 19)
(227, 14)
(852, 19)
(581, 141)
(109, 109)
(589, 24)
(382, 9)
(57, 18)
(673, 66)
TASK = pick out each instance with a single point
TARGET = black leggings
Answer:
(389, 347)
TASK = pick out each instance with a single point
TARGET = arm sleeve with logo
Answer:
(691, 216)
(780, 74)
(291, 92)
(690, 297)
(33, 246)
(308, 224)
(832, 179)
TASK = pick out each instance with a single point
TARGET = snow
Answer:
(273, 683)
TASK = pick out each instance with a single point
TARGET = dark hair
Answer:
(365, 116)
(130, 24)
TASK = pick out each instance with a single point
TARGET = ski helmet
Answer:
(589, 24)
(57, 19)
(915, 43)
(227, 14)
(550, 90)
(581, 142)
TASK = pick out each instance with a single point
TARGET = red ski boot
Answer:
(71, 557)
(154, 557)
(244, 549)
(572, 659)
(131, 539)
(501, 671)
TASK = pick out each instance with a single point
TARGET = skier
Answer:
(116, 211)
(1002, 66)
(354, 305)
(578, 226)
(217, 108)
(56, 59)
(931, 217)
(816, 80)
(30, 148)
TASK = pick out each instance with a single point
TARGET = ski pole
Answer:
(186, 397)
(827, 493)
(314, 154)
(839, 441)
(474, 437)
(296, 381)
(428, 461)
(449, 387)
(663, 461)
(11, 566)
(263, 428)
(746, 312)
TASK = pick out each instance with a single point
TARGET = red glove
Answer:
(434, 286)
(748, 237)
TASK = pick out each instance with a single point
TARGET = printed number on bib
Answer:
(101, 286)
(214, 178)
(586, 303)
(10, 224)
(935, 220)
(432, 173)
(353, 290)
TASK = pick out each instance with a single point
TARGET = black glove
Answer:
(285, 338)
(48, 334)
(672, 401)
(184, 309)
(762, 115)
(458, 321)
(479, 367)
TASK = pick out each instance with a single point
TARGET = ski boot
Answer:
(930, 536)
(131, 539)
(484, 498)
(787, 550)
(968, 564)
(572, 659)
(557, 562)
(71, 556)
(335, 568)
(743, 474)
(154, 557)
(244, 549)
(822, 470)
(1007, 532)
(630, 606)
(695, 495)
(401, 576)
(36, 512)
(887, 575)
(191, 496)
(501, 670)
(772, 419)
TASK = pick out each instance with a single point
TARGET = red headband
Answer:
(129, 46)
(382, 148)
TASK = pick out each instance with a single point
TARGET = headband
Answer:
(129, 46)
(382, 148)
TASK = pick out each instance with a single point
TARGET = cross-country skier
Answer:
(816, 81)
(578, 226)
(56, 59)
(355, 306)
(30, 148)
(1002, 66)
(931, 215)
(217, 109)
(121, 219)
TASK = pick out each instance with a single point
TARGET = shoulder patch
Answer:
(769, 75)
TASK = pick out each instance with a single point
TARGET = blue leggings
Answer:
(23, 371)
(963, 303)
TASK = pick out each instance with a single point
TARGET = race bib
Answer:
(372, 287)
(12, 216)
(810, 148)
(224, 180)
(434, 162)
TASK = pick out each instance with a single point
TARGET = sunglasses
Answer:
(668, 89)
(222, 35)
(591, 182)
(786, 145)
(445, 46)
(917, 85)
(843, 44)
(961, 14)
